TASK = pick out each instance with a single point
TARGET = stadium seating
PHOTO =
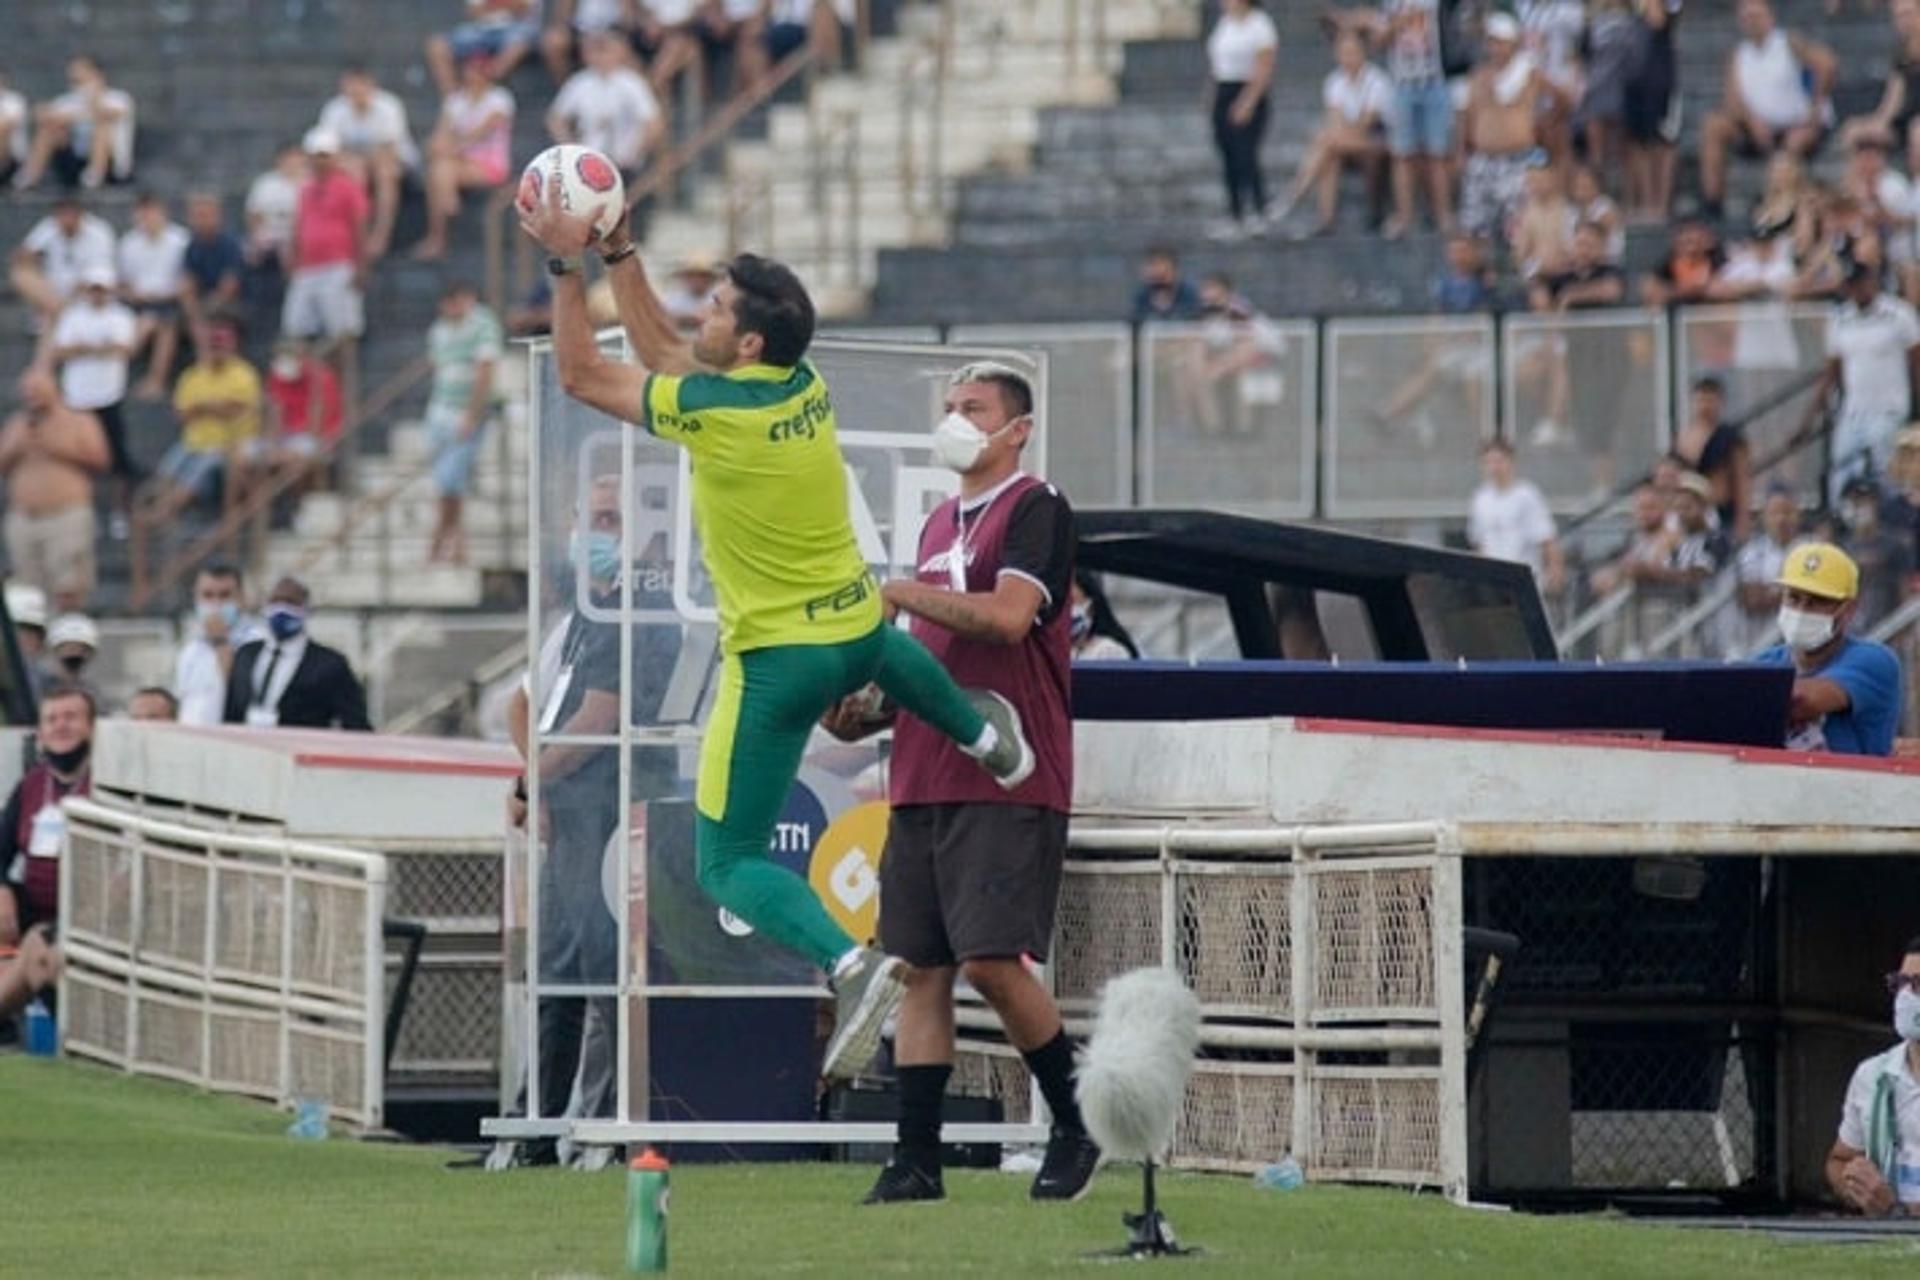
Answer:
(1059, 240)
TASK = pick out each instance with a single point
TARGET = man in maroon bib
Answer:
(31, 825)
(971, 873)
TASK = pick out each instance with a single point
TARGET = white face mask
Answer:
(287, 367)
(1804, 631)
(958, 443)
(1906, 1015)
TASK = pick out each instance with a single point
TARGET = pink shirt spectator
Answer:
(333, 212)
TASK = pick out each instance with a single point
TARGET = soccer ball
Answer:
(589, 184)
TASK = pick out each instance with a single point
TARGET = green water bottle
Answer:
(647, 1212)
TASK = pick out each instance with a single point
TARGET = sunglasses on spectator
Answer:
(1909, 981)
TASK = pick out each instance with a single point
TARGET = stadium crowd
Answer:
(242, 330)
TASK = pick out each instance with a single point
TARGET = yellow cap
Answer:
(1821, 569)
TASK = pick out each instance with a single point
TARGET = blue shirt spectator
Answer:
(1870, 673)
(214, 261)
(1846, 691)
(1464, 284)
(1163, 293)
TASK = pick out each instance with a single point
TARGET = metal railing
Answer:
(249, 964)
(462, 696)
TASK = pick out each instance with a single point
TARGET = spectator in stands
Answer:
(1758, 566)
(304, 412)
(1875, 1162)
(1588, 280)
(272, 202)
(692, 284)
(32, 824)
(85, 135)
(608, 106)
(1887, 206)
(1846, 689)
(50, 455)
(666, 38)
(1873, 344)
(1687, 272)
(1591, 204)
(471, 149)
(1779, 87)
(736, 30)
(13, 131)
(1883, 556)
(92, 345)
(1902, 508)
(504, 31)
(152, 259)
(1163, 292)
(220, 626)
(1702, 548)
(376, 146)
(329, 248)
(570, 22)
(1097, 635)
(1509, 520)
(218, 402)
(1554, 32)
(1890, 123)
(1231, 381)
(57, 250)
(1652, 117)
(27, 609)
(1649, 551)
(1500, 128)
(1420, 127)
(1611, 44)
(73, 642)
(153, 704)
(1712, 448)
(1356, 96)
(1465, 282)
(214, 263)
(1828, 251)
(1759, 269)
(290, 681)
(1790, 197)
(815, 24)
(465, 346)
(1540, 238)
(1241, 50)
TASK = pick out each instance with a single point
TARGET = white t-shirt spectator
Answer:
(13, 111)
(150, 265)
(610, 113)
(1871, 344)
(1763, 335)
(1511, 523)
(599, 15)
(1235, 46)
(1552, 30)
(77, 104)
(672, 13)
(1354, 98)
(272, 201)
(62, 259)
(1772, 82)
(93, 382)
(382, 124)
(1414, 55)
(1855, 1117)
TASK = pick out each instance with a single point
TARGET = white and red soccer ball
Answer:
(588, 182)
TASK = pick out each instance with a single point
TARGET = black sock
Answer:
(921, 1091)
(1052, 1067)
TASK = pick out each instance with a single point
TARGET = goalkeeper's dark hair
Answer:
(770, 300)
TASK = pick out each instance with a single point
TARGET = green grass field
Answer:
(105, 1175)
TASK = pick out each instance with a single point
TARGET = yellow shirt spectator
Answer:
(219, 405)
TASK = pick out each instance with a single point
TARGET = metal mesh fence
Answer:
(1375, 1122)
(983, 1069)
(453, 1017)
(1375, 942)
(244, 1052)
(326, 1064)
(248, 934)
(1105, 924)
(100, 879)
(96, 1016)
(447, 890)
(167, 1035)
(1237, 1115)
(173, 911)
(1235, 939)
(1586, 398)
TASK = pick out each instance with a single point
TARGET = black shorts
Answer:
(970, 882)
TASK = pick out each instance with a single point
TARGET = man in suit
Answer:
(290, 680)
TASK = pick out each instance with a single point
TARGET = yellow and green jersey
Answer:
(769, 503)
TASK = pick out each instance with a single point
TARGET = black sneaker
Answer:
(902, 1182)
(1069, 1166)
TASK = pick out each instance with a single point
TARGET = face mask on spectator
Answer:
(286, 621)
(73, 663)
(1082, 621)
(286, 368)
(1804, 631)
(602, 554)
(1906, 1015)
(226, 610)
(958, 443)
